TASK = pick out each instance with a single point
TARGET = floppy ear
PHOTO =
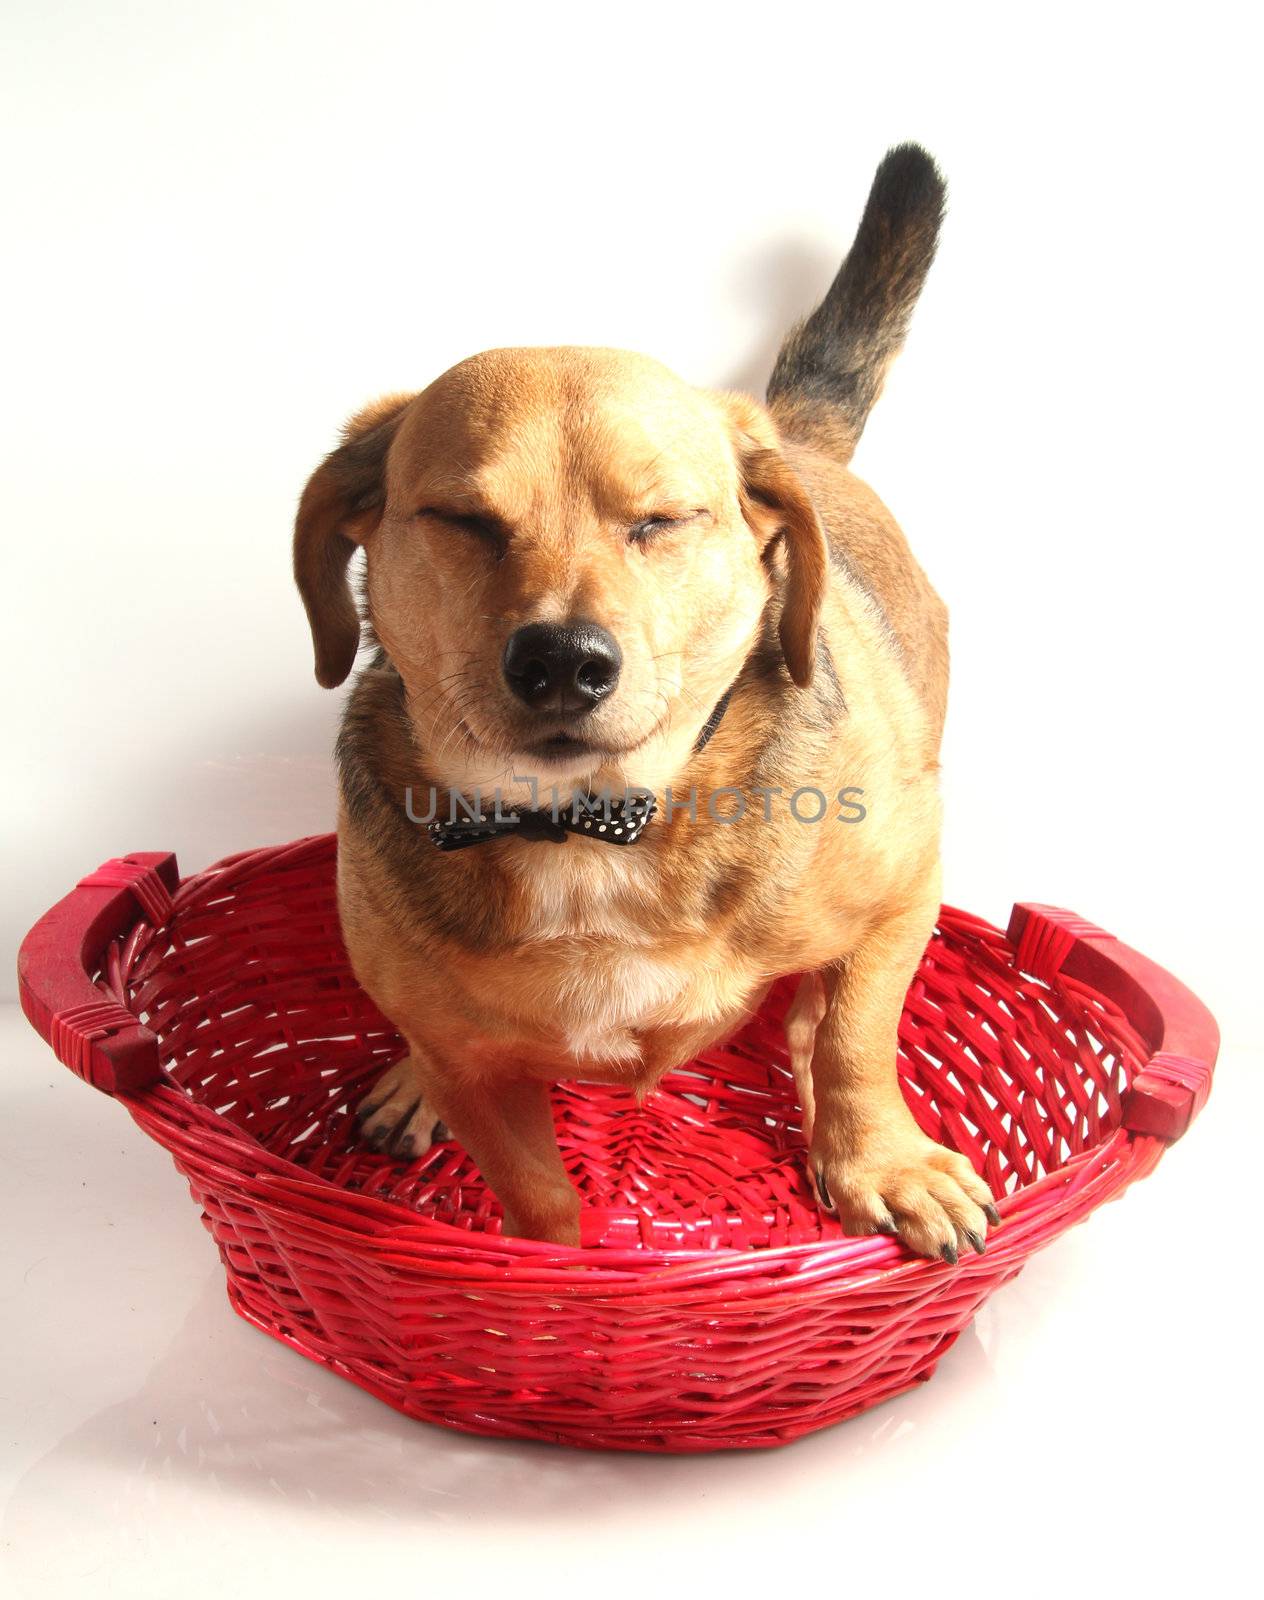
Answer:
(340, 507)
(778, 510)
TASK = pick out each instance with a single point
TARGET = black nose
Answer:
(562, 667)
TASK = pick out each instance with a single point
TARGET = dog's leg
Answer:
(807, 1010)
(873, 1163)
(506, 1126)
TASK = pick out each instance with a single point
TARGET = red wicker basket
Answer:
(712, 1306)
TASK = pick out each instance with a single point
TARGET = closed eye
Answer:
(648, 527)
(483, 523)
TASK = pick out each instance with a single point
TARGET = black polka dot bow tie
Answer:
(610, 821)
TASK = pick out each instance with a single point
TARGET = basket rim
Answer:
(426, 1250)
(130, 899)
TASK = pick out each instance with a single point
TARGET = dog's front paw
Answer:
(910, 1186)
(396, 1117)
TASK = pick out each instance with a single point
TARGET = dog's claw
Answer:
(993, 1215)
(885, 1226)
(949, 1253)
(976, 1243)
(822, 1190)
(401, 1143)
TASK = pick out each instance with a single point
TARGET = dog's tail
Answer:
(831, 367)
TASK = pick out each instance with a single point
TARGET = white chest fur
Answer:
(610, 976)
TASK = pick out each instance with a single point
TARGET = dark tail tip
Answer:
(837, 358)
(907, 185)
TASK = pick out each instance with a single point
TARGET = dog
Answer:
(585, 578)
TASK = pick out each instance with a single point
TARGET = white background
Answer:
(227, 227)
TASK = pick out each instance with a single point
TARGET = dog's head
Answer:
(569, 553)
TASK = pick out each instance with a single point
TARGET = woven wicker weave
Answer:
(712, 1305)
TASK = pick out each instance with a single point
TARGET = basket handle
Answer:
(90, 1032)
(1176, 1027)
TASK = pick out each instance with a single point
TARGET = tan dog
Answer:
(585, 576)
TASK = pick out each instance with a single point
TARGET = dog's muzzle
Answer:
(610, 821)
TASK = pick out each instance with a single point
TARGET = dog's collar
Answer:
(611, 821)
(713, 722)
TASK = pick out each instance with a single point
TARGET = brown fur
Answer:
(505, 493)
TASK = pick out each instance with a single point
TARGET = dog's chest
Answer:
(599, 977)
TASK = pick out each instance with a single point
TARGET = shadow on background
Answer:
(227, 1409)
(777, 286)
